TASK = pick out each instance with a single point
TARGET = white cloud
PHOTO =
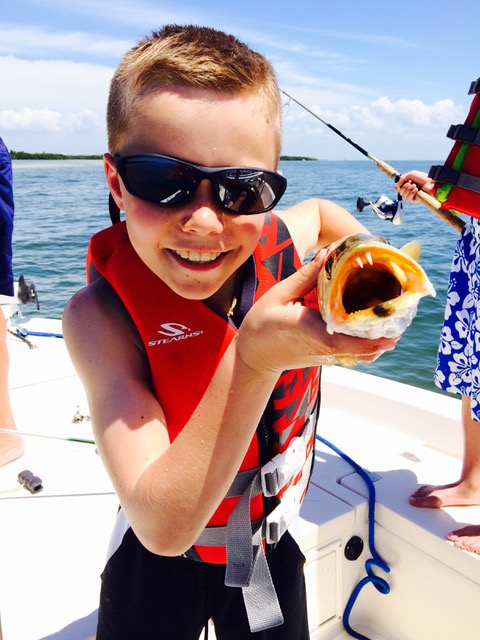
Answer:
(416, 112)
(388, 128)
(46, 120)
(55, 84)
(142, 15)
(41, 41)
(64, 100)
(387, 115)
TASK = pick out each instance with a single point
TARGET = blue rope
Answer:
(376, 560)
(23, 333)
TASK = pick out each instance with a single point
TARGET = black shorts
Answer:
(150, 597)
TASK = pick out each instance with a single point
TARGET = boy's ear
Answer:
(113, 180)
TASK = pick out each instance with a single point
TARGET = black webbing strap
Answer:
(464, 133)
(475, 87)
(444, 174)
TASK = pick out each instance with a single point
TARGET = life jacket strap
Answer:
(260, 598)
(464, 133)
(247, 566)
(241, 482)
(444, 174)
(278, 472)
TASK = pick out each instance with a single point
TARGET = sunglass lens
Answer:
(247, 190)
(158, 180)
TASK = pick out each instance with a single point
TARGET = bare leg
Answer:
(11, 445)
(465, 491)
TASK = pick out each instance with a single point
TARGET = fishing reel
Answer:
(27, 292)
(23, 293)
(385, 208)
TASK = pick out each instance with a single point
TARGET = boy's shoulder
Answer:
(91, 300)
(303, 223)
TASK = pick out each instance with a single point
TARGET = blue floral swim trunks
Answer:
(458, 362)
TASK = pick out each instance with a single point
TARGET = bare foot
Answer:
(457, 494)
(467, 538)
(11, 447)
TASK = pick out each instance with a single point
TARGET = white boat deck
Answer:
(53, 543)
(405, 437)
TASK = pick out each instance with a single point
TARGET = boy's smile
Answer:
(197, 257)
(196, 247)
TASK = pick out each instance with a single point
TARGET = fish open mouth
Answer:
(369, 288)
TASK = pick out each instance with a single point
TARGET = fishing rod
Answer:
(43, 435)
(426, 199)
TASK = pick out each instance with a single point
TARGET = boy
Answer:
(196, 362)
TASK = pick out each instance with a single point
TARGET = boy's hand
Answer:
(280, 333)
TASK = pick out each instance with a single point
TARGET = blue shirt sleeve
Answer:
(7, 210)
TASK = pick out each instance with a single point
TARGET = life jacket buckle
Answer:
(279, 520)
(280, 470)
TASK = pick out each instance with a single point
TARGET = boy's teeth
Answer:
(196, 256)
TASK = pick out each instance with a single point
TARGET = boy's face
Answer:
(195, 247)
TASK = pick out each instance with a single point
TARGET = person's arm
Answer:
(410, 183)
(169, 491)
(316, 223)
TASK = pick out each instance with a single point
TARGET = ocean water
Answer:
(61, 204)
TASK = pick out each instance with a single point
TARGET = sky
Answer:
(391, 76)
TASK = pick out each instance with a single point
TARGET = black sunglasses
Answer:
(171, 182)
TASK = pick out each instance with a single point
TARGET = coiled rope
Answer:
(376, 560)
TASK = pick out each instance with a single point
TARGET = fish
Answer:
(370, 289)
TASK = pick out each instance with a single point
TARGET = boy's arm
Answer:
(169, 491)
(315, 223)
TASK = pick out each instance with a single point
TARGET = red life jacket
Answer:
(458, 180)
(185, 341)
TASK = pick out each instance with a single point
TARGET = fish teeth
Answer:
(368, 257)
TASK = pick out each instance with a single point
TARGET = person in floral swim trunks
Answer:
(458, 366)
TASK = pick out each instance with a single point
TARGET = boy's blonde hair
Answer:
(188, 56)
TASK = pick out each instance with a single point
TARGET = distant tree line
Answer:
(296, 158)
(25, 155)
